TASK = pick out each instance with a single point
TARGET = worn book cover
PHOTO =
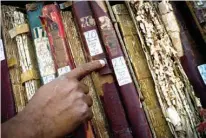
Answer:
(41, 42)
(52, 23)
(139, 63)
(13, 59)
(130, 98)
(172, 86)
(20, 32)
(103, 80)
(73, 38)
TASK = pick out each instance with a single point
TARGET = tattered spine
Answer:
(13, 59)
(41, 43)
(103, 80)
(133, 107)
(142, 72)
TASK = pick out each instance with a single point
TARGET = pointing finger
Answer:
(85, 69)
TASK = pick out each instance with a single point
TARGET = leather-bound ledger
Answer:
(192, 61)
(103, 79)
(13, 59)
(130, 98)
(99, 121)
(41, 42)
(142, 72)
(7, 99)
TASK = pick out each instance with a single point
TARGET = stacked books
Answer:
(146, 88)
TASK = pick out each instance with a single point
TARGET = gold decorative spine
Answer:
(142, 72)
(99, 120)
(13, 59)
(172, 87)
(30, 74)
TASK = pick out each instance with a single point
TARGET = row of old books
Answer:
(151, 84)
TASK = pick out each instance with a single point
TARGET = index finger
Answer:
(85, 69)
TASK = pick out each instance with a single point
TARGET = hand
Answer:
(57, 108)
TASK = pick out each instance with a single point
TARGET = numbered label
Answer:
(93, 42)
(63, 70)
(2, 56)
(48, 78)
(202, 70)
(121, 71)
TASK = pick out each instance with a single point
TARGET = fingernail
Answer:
(102, 62)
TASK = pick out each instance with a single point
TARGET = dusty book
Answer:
(104, 79)
(52, 21)
(172, 86)
(73, 38)
(130, 98)
(41, 42)
(13, 59)
(143, 76)
(20, 32)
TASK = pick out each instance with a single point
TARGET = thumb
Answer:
(85, 69)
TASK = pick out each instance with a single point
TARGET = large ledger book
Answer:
(7, 99)
(130, 98)
(13, 59)
(142, 72)
(41, 42)
(73, 38)
(172, 86)
(20, 32)
(103, 79)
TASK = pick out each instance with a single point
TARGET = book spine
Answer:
(41, 43)
(139, 63)
(103, 80)
(191, 53)
(128, 91)
(73, 39)
(7, 100)
(30, 74)
(52, 22)
(62, 55)
(160, 54)
(13, 60)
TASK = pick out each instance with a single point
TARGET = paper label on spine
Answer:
(2, 56)
(45, 61)
(63, 70)
(121, 71)
(48, 78)
(202, 70)
(93, 42)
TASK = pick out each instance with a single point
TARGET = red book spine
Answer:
(7, 100)
(61, 53)
(92, 45)
(134, 111)
(52, 22)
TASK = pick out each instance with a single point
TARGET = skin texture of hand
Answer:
(56, 109)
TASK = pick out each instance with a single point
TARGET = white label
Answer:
(63, 70)
(2, 56)
(48, 78)
(93, 42)
(44, 58)
(121, 71)
(202, 70)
